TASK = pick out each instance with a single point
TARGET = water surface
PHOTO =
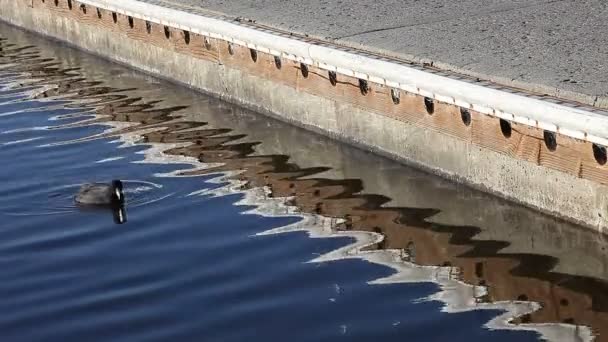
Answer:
(240, 227)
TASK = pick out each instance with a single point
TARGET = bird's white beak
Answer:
(118, 194)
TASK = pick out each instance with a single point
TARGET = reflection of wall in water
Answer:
(580, 251)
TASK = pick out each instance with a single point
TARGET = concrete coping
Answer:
(580, 122)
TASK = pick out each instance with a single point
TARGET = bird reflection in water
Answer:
(120, 214)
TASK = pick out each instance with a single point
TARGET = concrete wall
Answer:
(576, 199)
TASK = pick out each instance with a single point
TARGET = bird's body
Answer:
(99, 194)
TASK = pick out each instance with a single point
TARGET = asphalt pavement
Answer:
(553, 47)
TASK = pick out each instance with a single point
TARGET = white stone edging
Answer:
(573, 122)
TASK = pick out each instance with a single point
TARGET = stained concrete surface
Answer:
(557, 47)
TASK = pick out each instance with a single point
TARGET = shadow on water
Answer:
(510, 253)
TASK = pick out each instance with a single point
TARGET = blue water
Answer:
(184, 266)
